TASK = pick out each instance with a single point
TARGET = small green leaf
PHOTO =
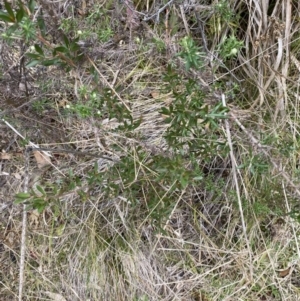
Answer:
(66, 40)
(34, 56)
(41, 25)
(74, 46)
(39, 205)
(9, 10)
(60, 49)
(136, 124)
(20, 15)
(18, 201)
(5, 17)
(33, 63)
(50, 62)
(12, 29)
(165, 111)
(39, 49)
(23, 195)
(31, 5)
(41, 190)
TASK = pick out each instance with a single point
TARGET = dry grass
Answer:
(228, 238)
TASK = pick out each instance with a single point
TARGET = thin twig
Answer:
(24, 228)
(19, 134)
(158, 12)
(186, 26)
(237, 188)
(292, 224)
(68, 152)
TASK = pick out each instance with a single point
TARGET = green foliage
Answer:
(66, 55)
(257, 165)
(10, 14)
(191, 53)
(160, 44)
(193, 123)
(33, 200)
(222, 9)
(104, 34)
(223, 17)
(155, 183)
(149, 185)
(88, 105)
(28, 29)
(193, 130)
(102, 105)
(47, 195)
(98, 13)
(285, 144)
(69, 25)
(230, 47)
(261, 208)
(21, 25)
(97, 22)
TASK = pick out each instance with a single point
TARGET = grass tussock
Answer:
(173, 133)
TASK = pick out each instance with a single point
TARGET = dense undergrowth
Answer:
(154, 147)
